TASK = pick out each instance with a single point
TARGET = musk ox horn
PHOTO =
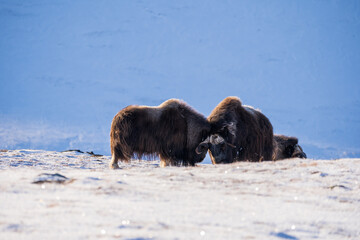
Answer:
(203, 146)
(231, 145)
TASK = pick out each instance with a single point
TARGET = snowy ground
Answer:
(291, 199)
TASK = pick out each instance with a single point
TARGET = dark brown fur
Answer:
(172, 130)
(248, 133)
(287, 147)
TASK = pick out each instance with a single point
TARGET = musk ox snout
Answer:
(300, 155)
(298, 152)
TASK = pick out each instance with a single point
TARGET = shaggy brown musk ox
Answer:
(287, 147)
(173, 131)
(239, 133)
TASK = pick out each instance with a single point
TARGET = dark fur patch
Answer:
(171, 130)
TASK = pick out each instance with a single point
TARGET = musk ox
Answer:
(287, 147)
(239, 133)
(173, 131)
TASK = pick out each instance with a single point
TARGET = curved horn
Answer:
(203, 146)
(231, 145)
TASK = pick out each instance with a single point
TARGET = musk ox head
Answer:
(288, 147)
(222, 148)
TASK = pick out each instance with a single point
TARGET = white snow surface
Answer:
(67, 67)
(290, 199)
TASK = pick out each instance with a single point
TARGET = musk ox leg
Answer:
(115, 159)
(164, 162)
(114, 162)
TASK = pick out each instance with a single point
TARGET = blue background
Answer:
(67, 67)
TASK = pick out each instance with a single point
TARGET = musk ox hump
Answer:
(225, 106)
(172, 103)
(153, 113)
(251, 110)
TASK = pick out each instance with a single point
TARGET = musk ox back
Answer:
(287, 147)
(239, 133)
(172, 131)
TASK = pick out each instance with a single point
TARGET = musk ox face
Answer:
(293, 151)
(219, 151)
(288, 147)
(221, 145)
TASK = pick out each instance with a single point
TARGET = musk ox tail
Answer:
(120, 129)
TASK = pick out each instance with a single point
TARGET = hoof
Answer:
(113, 163)
(114, 166)
(163, 164)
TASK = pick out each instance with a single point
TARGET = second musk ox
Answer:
(173, 131)
(242, 133)
(239, 133)
(287, 147)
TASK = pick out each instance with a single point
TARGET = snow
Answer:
(66, 68)
(290, 199)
